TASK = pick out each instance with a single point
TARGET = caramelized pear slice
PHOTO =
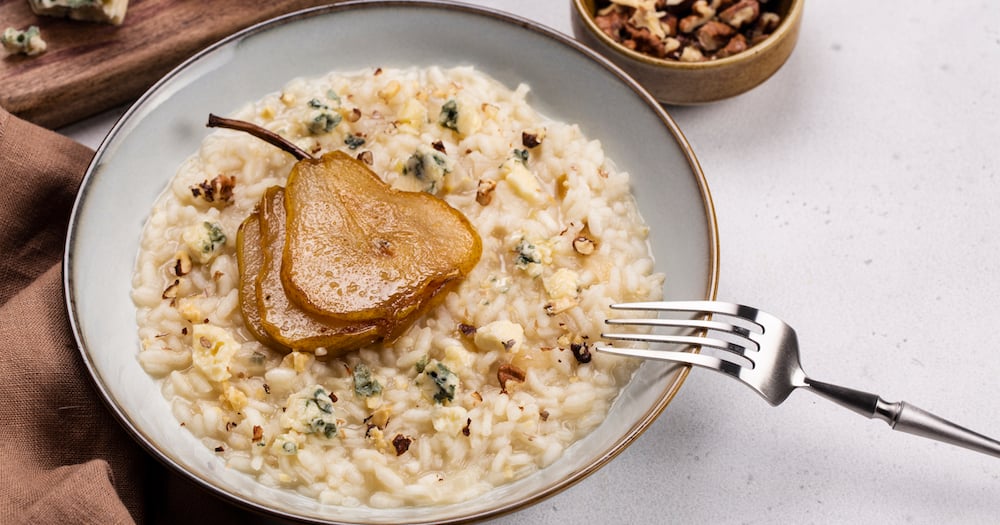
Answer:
(249, 260)
(356, 249)
(282, 320)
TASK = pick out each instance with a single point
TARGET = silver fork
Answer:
(762, 351)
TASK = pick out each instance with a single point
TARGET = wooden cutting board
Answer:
(91, 67)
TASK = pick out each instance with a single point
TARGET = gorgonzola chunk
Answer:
(28, 42)
(213, 351)
(107, 11)
(310, 411)
(204, 241)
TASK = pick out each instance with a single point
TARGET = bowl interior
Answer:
(166, 125)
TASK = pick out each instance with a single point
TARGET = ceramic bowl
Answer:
(166, 125)
(686, 83)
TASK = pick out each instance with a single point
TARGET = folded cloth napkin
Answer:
(64, 459)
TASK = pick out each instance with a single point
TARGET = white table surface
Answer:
(857, 197)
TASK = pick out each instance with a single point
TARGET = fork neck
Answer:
(864, 403)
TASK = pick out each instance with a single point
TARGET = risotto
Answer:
(491, 384)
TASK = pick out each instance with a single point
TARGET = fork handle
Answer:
(905, 417)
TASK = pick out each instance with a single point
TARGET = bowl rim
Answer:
(164, 83)
(785, 27)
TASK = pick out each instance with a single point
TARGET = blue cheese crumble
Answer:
(527, 253)
(204, 240)
(28, 42)
(310, 411)
(459, 117)
(364, 384)
(425, 170)
(437, 381)
(322, 119)
(106, 11)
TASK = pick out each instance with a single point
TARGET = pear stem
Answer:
(215, 121)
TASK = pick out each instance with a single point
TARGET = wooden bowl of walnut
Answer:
(692, 51)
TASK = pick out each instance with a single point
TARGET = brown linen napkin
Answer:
(63, 458)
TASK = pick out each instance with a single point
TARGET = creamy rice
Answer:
(561, 241)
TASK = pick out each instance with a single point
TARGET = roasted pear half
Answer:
(249, 260)
(358, 250)
(283, 321)
(338, 259)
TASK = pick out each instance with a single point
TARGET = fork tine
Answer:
(681, 306)
(702, 360)
(710, 342)
(683, 323)
(703, 307)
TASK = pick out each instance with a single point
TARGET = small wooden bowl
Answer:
(688, 83)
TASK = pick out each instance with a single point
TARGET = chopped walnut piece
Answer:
(584, 245)
(217, 190)
(389, 91)
(484, 193)
(401, 443)
(182, 264)
(701, 13)
(714, 35)
(616, 23)
(258, 433)
(687, 30)
(353, 115)
(612, 21)
(740, 13)
(644, 41)
(670, 45)
(560, 305)
(737, 44)
(532, 138)
(763, 27)
(692, 54)
(581, 351)
(509, 373)
(669, 24)
(171, 291)
(366, 157)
